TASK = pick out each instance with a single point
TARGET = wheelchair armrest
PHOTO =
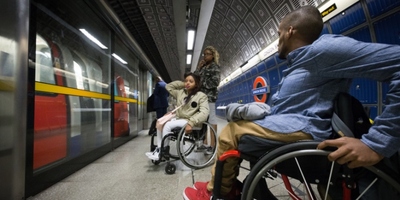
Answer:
(218, 171)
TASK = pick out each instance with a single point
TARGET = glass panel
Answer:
(72, 111)
(125, 91)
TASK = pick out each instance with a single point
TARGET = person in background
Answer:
(209, 71)
(319, 68)
(160, 102)
(193, 112)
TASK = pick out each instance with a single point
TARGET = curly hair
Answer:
(214, 52)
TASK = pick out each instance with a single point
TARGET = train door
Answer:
(94, 77)
(50, 124)
(88, 117)
(75, 145)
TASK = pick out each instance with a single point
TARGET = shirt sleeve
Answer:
(343, 57)
(174, 87)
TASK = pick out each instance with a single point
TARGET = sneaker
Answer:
(235, 193)
(192, 194)
(151, 151)
(200, 185)
(155, 155)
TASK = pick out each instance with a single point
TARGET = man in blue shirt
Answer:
(318, 69)
(160, 103)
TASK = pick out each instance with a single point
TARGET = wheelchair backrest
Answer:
(349, 118)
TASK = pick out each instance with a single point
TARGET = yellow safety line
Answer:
(44, 87)
(125, 99)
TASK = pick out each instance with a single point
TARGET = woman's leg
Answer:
(159, 138)
(169, 126)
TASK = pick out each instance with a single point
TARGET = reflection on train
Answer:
(72, 111)
(121, 117)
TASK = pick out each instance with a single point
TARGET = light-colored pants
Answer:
(229, 140)
(167, 129)
(212, 118)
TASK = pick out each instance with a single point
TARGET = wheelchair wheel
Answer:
(170, 168)
(189, 146)
(300, 171)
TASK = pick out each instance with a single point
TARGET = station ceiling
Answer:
(238, 29)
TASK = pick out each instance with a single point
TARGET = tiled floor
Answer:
(126, 173)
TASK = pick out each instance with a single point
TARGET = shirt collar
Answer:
(292, 55)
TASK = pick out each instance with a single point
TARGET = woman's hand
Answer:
(351, 151)
(188, 129)
(202, 63)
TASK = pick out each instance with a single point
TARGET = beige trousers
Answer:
(229, 139)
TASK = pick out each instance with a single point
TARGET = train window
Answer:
(44, 65)
(80, 70)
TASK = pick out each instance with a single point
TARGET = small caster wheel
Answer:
(155, 162)
(170, 169)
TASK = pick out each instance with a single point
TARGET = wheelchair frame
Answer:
(320, 172)
(194, 140)
(316, 174)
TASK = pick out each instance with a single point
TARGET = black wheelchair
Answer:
(300, 171)
(186, 147)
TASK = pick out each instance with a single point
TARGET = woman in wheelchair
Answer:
(193, 112)
(318, 69)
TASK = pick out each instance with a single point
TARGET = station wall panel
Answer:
(261, 67)
(378, 7)
(325, 30)
(350, 18)
(273, 76)
(387, 30)
(270, 62)
(362, 34)
(365, 90)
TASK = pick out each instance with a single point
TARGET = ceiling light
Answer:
(189, 59)
(190, 41)
(119, 58)
(93, 39)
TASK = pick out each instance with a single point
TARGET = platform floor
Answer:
(126, 173)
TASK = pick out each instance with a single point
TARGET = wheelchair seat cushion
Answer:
(253, 147)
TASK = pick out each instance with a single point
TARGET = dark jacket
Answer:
(210, 78)
(150, 102)
(160, 95)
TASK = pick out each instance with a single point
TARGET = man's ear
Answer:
(290, 31)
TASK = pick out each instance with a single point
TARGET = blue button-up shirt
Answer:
(316, 73)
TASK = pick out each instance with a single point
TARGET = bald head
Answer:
(307, 21)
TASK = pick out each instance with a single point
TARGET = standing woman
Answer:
(193, 112)
(209, 70)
